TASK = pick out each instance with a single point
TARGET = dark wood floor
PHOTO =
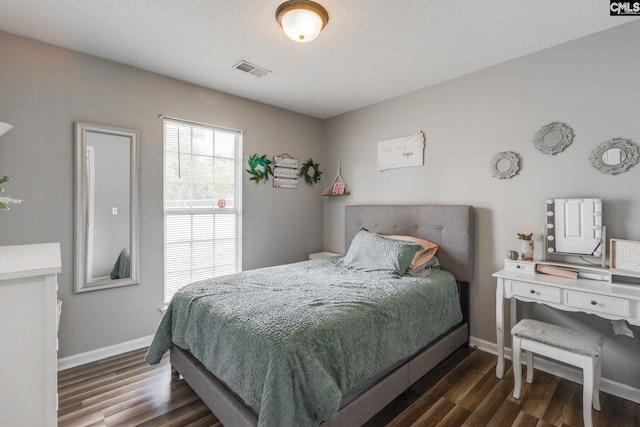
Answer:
(462, 391)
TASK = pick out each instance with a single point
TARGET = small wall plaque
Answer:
(285, 171)
(285, 161)
(401, 152)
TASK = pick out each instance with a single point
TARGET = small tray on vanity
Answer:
(573, 271)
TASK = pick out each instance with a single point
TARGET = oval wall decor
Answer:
(553, 138)
(614, 156)
(504, 165)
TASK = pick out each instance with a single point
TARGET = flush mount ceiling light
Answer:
(302, 20)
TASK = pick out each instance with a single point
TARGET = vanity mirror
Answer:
(614, 156)
(106, 207)
(574, 227)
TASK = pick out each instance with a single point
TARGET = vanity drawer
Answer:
(521, 266)
(599, 303)
(536, 292)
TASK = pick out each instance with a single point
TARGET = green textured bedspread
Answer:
(290, 340)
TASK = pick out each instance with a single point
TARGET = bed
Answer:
(337, 364)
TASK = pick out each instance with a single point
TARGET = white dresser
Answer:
(28, 348)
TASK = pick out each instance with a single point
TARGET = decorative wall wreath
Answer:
(304, 172)
(259, 168)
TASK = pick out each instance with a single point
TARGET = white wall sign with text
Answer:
(401, 152)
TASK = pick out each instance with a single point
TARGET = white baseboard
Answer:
(563, 371)
(103, 353)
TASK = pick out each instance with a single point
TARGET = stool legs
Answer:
(590, 388)
(529, 366)
(517, 366)
(587, 390)
(591, 372)
(516, 356)
(596, 385)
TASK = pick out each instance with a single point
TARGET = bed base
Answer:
(451, 228)
(232, 412)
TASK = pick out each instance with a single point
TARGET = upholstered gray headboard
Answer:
(449, 226)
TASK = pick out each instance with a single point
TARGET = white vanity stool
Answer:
(565, 345)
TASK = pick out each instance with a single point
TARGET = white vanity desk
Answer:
(519, 282)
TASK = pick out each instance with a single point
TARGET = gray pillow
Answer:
(370, 252)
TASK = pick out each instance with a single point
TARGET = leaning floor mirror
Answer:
(106, 207)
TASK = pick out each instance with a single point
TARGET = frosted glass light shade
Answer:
(4, 128)
(302, 20)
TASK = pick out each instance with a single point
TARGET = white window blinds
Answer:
(202, 194)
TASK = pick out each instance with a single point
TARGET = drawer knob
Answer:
(532, 291)
(518, 266)
(593, 303)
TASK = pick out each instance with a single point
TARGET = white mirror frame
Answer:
(82, 131)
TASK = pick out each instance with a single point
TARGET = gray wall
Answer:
(44, 89)
(591, 84)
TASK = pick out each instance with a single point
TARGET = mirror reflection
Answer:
(552, 138)
(106, 207)
(613, 156)
(504, 165)
(574, 226)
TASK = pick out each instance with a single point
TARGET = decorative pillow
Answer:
(370, 252)
(423, 256)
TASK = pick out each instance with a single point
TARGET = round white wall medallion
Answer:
(553, 138)
(505, 164)
(614, 156)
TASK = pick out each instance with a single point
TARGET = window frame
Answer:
(214, 210)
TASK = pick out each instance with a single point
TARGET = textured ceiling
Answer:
(371, 50)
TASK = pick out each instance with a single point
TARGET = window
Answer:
(202, 194)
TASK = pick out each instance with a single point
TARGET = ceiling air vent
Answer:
(248, 67)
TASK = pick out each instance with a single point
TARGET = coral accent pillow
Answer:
(423, 256)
